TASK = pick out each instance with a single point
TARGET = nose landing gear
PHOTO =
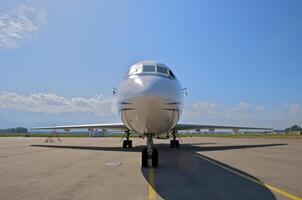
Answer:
(174, 142)
(127, 142)
(150, 154)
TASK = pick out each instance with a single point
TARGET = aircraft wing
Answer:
(114, 126)
(200, 126)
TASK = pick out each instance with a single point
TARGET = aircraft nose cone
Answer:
(157, 86)
(163, 88)
(150, 104)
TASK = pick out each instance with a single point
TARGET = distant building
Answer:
(279, 131)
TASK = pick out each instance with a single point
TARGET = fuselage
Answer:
(150, 98)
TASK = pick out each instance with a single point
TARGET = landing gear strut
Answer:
(174, 142)
(150, 154)
(127, 142)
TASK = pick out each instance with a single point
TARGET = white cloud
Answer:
(243, 114)
(50, 103)
(294, 109)
(19, 23)
(215, 110)
(205, 112)
(260, 108)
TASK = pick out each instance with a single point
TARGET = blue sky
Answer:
(240, 60)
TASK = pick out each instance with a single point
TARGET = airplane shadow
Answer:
(185, 174)
(184, 147)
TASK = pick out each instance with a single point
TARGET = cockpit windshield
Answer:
(156, 69)
(162, 70)
(148, 68)
(166, 71)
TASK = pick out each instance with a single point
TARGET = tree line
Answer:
(293, 128)
(14, 130)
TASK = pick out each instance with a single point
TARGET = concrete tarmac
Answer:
(202, 168)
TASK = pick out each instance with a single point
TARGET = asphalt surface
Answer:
(202, 168)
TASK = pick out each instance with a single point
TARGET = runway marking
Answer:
(152, 192)
(272, 188)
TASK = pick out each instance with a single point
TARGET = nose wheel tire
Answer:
(144, 158)
(174, 143)
(127, 143)
(154, 158)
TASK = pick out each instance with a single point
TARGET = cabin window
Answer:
(162, 70)
(148, 68)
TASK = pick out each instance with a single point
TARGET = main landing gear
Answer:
(150, 154)
(127, 143)
(174, 143)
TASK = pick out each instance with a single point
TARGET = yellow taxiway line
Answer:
(152, 192)
(274, 189)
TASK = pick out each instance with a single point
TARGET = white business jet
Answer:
(150, 100)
